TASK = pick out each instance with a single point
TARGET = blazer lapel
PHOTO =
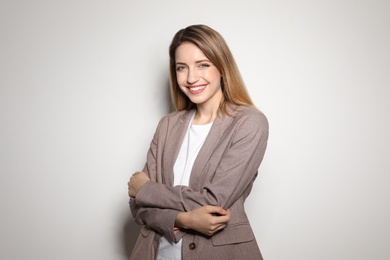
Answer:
(218, 128)
(173, 144)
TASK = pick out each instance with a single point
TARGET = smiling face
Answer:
(197, 76)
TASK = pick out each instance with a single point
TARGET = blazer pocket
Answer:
(145, 231)
(233, 235)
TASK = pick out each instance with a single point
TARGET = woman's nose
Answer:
(192, 76)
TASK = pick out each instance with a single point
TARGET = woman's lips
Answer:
(196, 89)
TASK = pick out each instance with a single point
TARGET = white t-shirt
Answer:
(192, 143)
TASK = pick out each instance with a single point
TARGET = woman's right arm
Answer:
(206, 220)
(159, 219)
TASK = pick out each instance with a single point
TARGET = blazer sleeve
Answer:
(234, 174)
(160, 220)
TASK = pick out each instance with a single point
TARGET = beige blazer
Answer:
(223, 174)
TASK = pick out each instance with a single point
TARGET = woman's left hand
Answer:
(207, 219)
(136, 182)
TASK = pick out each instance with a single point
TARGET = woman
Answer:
(203, 159)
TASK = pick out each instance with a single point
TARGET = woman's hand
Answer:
(136, 182)
(206, 220)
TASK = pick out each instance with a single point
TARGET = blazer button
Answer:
(192, 246)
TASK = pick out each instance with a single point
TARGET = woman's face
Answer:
(197, 77)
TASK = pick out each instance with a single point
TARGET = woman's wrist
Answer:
(182, 220)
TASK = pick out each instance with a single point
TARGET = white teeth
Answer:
(196, 88)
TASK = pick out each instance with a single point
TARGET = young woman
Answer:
(203, 159)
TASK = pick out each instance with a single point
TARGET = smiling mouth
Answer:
(196, 89)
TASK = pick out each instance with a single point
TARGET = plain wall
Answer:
(84, 83)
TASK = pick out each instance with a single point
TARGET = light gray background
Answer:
(84, 83)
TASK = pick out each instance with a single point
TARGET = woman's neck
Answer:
(204, 115)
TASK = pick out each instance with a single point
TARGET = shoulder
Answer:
(247, 124)
(173, 118)
(176, 116)
(250, 117)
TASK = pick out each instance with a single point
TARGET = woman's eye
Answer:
(204, 65)
(179, 68)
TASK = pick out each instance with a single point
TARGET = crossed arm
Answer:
(206, 219)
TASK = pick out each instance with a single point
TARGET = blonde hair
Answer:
(213, 45)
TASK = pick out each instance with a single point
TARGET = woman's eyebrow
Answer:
(198, 61)
(204, 60)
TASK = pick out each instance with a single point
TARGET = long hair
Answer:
(213, 45)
